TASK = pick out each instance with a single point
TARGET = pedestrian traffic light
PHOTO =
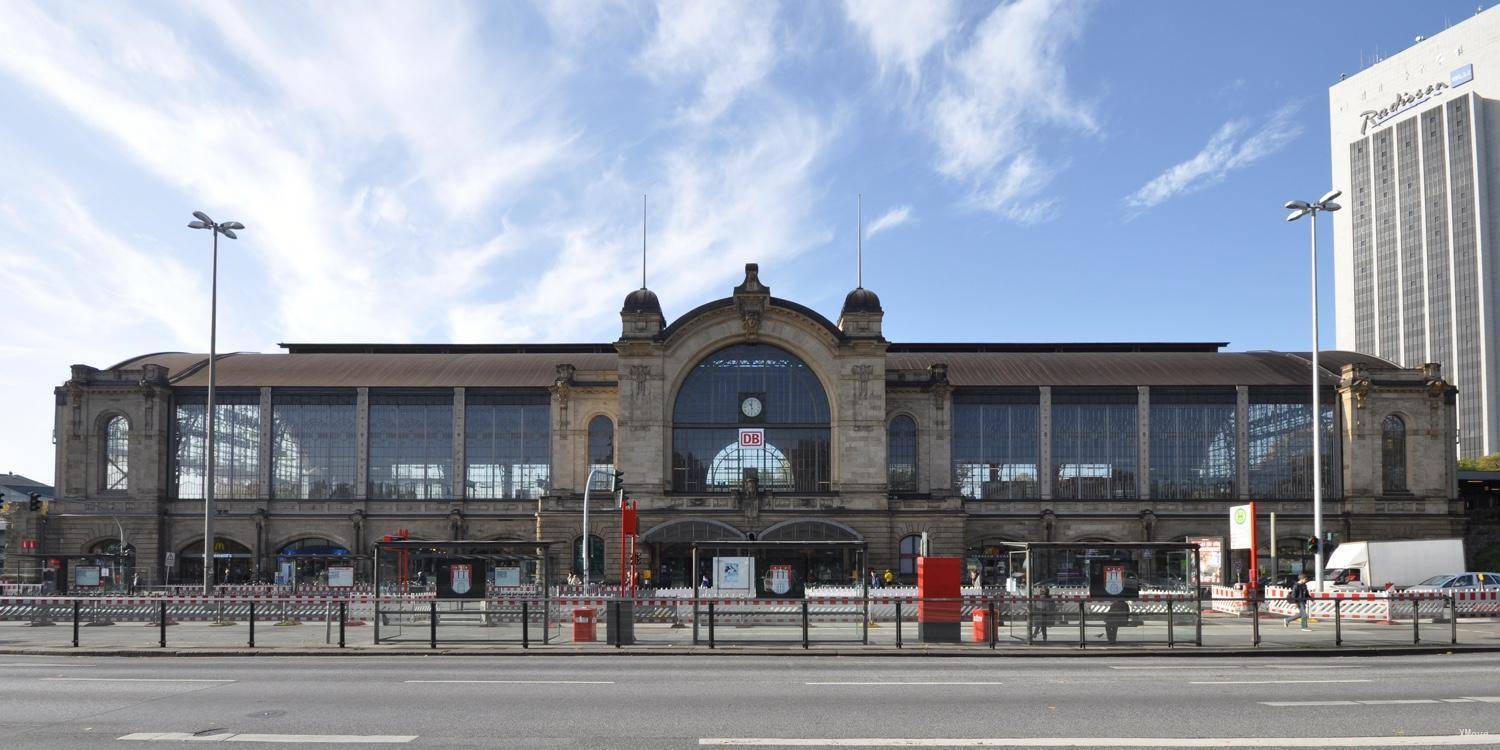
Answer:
(35, 503)
(1312, 545)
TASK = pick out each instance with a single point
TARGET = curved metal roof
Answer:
(253, 369)
(978, 369)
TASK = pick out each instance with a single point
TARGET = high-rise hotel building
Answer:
(1415, 137)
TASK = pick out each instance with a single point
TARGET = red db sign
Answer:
(752, 438)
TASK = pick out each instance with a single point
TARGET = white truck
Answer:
(1371, 565)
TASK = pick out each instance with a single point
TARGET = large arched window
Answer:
(911, 549)
(774, 399)
(901, 454)
(1393, 454)
(602, 450)
(117, 454)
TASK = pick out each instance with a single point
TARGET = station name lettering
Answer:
(1377, 116)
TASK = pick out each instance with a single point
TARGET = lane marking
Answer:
(34, 665)
(903, 683)
(1205, 667)
(1293, 704)
(509, 682)
(1271, 682)
(1383, 702)
(127, 679)
(1110, 741)
(346, 739)
(1442, 740)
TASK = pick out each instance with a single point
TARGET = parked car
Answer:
(1459, 582)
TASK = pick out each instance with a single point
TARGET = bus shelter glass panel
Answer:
(462, 592)
(781, 591)
(1105, 592)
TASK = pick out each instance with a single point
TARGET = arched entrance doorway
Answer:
(814, 565)
(668, 549)
(306, 561)
(233, 562)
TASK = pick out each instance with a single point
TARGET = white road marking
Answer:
(1394, 741)
(35, 665)
(509, 682)
(362, 739)
(1232, 666)
(1483, 699)
(1270, 682)
(1294, 704)
(127, 679)
(1382, 702)
(903, 683)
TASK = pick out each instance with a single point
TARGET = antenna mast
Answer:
(643, 240)
(859, 241)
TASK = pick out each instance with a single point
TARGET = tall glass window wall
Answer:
(1094, 444)
(755, 387)
(236, 444)
(117, 454)
(1281, 444)
(1393, 455)
(313, 445)
(508, 445)
(602, 451)
(1192, 444)
(411, 446)
(995, 445)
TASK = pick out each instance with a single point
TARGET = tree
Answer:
(1485, 463)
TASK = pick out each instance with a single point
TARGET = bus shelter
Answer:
(461, 591)
(1088, 591)
(756, 591)
(80, 574)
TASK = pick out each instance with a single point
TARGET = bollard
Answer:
(1254, 619)
(804, 624)
(75, 623)
(619, 634)
(1416, 633)
(1083, 616)
(898, 623)
(1452, 618)
(1030, 611)
(252, 624)
(710, 624)
(1338, 623)
(991, 625)
(163, 620)
(1170, 641)
(343, 613)
(525, 625)
(432, 625)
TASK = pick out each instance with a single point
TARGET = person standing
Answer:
(1041, 613)
(889, 578)
(1298, 596)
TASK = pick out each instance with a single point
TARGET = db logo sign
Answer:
(752, 438)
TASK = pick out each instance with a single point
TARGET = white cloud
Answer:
(723, 47)
(888, 220)
(998, 96)
(1232, 147)
(901, 33)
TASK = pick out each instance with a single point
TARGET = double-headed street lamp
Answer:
(1300, 209)
(227, 229)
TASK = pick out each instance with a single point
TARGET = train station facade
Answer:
(750, 417)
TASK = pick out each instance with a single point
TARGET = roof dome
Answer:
(642, 300)
(861, 300)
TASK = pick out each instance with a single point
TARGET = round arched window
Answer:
(750, 411)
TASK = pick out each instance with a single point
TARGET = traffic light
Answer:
(128, 550)
(1312, 545)
(617, 481)
(35, 504)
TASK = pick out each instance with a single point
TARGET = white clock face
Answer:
(751, 407)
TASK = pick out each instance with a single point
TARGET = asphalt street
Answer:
(698, 701)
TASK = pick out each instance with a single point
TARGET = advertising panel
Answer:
(341, 577)
(734, 573)
(461, 579)
(1210, 559)
(86, 575)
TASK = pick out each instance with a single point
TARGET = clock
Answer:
(751, 407)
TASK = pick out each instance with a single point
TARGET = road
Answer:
(697, 701)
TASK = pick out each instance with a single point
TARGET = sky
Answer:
(1031, 170)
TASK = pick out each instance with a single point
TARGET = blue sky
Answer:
(1031, 170)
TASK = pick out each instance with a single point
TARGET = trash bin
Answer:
(619, 623)
(982, 626)
(585, 626)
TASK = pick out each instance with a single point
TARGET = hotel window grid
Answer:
(1387, 290)
(411, 446)
(1094, 444)
(1192, 444)
(1413, 304)
(1280, 445)
(236, 445)
(117, 454)
(1466, 277)
(602, 451)
(707, 418)
(1435, 202)
(1393, 455)
(901, 452)
(508, 445)
(996, 448)
(1364, 265)
(313, 445)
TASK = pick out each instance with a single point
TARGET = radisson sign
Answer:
(1403, 101)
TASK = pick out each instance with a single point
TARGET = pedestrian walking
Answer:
(1298, 596)
(1041, 613)
(1116, 617)
(874, 579)
(889, 578)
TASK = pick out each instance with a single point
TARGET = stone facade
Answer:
(867, 384)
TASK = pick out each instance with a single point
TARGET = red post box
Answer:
(585, 626)
(982, 626)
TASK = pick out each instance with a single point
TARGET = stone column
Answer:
(1143, 440)
(362, 444)
(1242, 441)
(1044, 436)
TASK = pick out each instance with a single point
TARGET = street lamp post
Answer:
(227, 229)
(1300, 209)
